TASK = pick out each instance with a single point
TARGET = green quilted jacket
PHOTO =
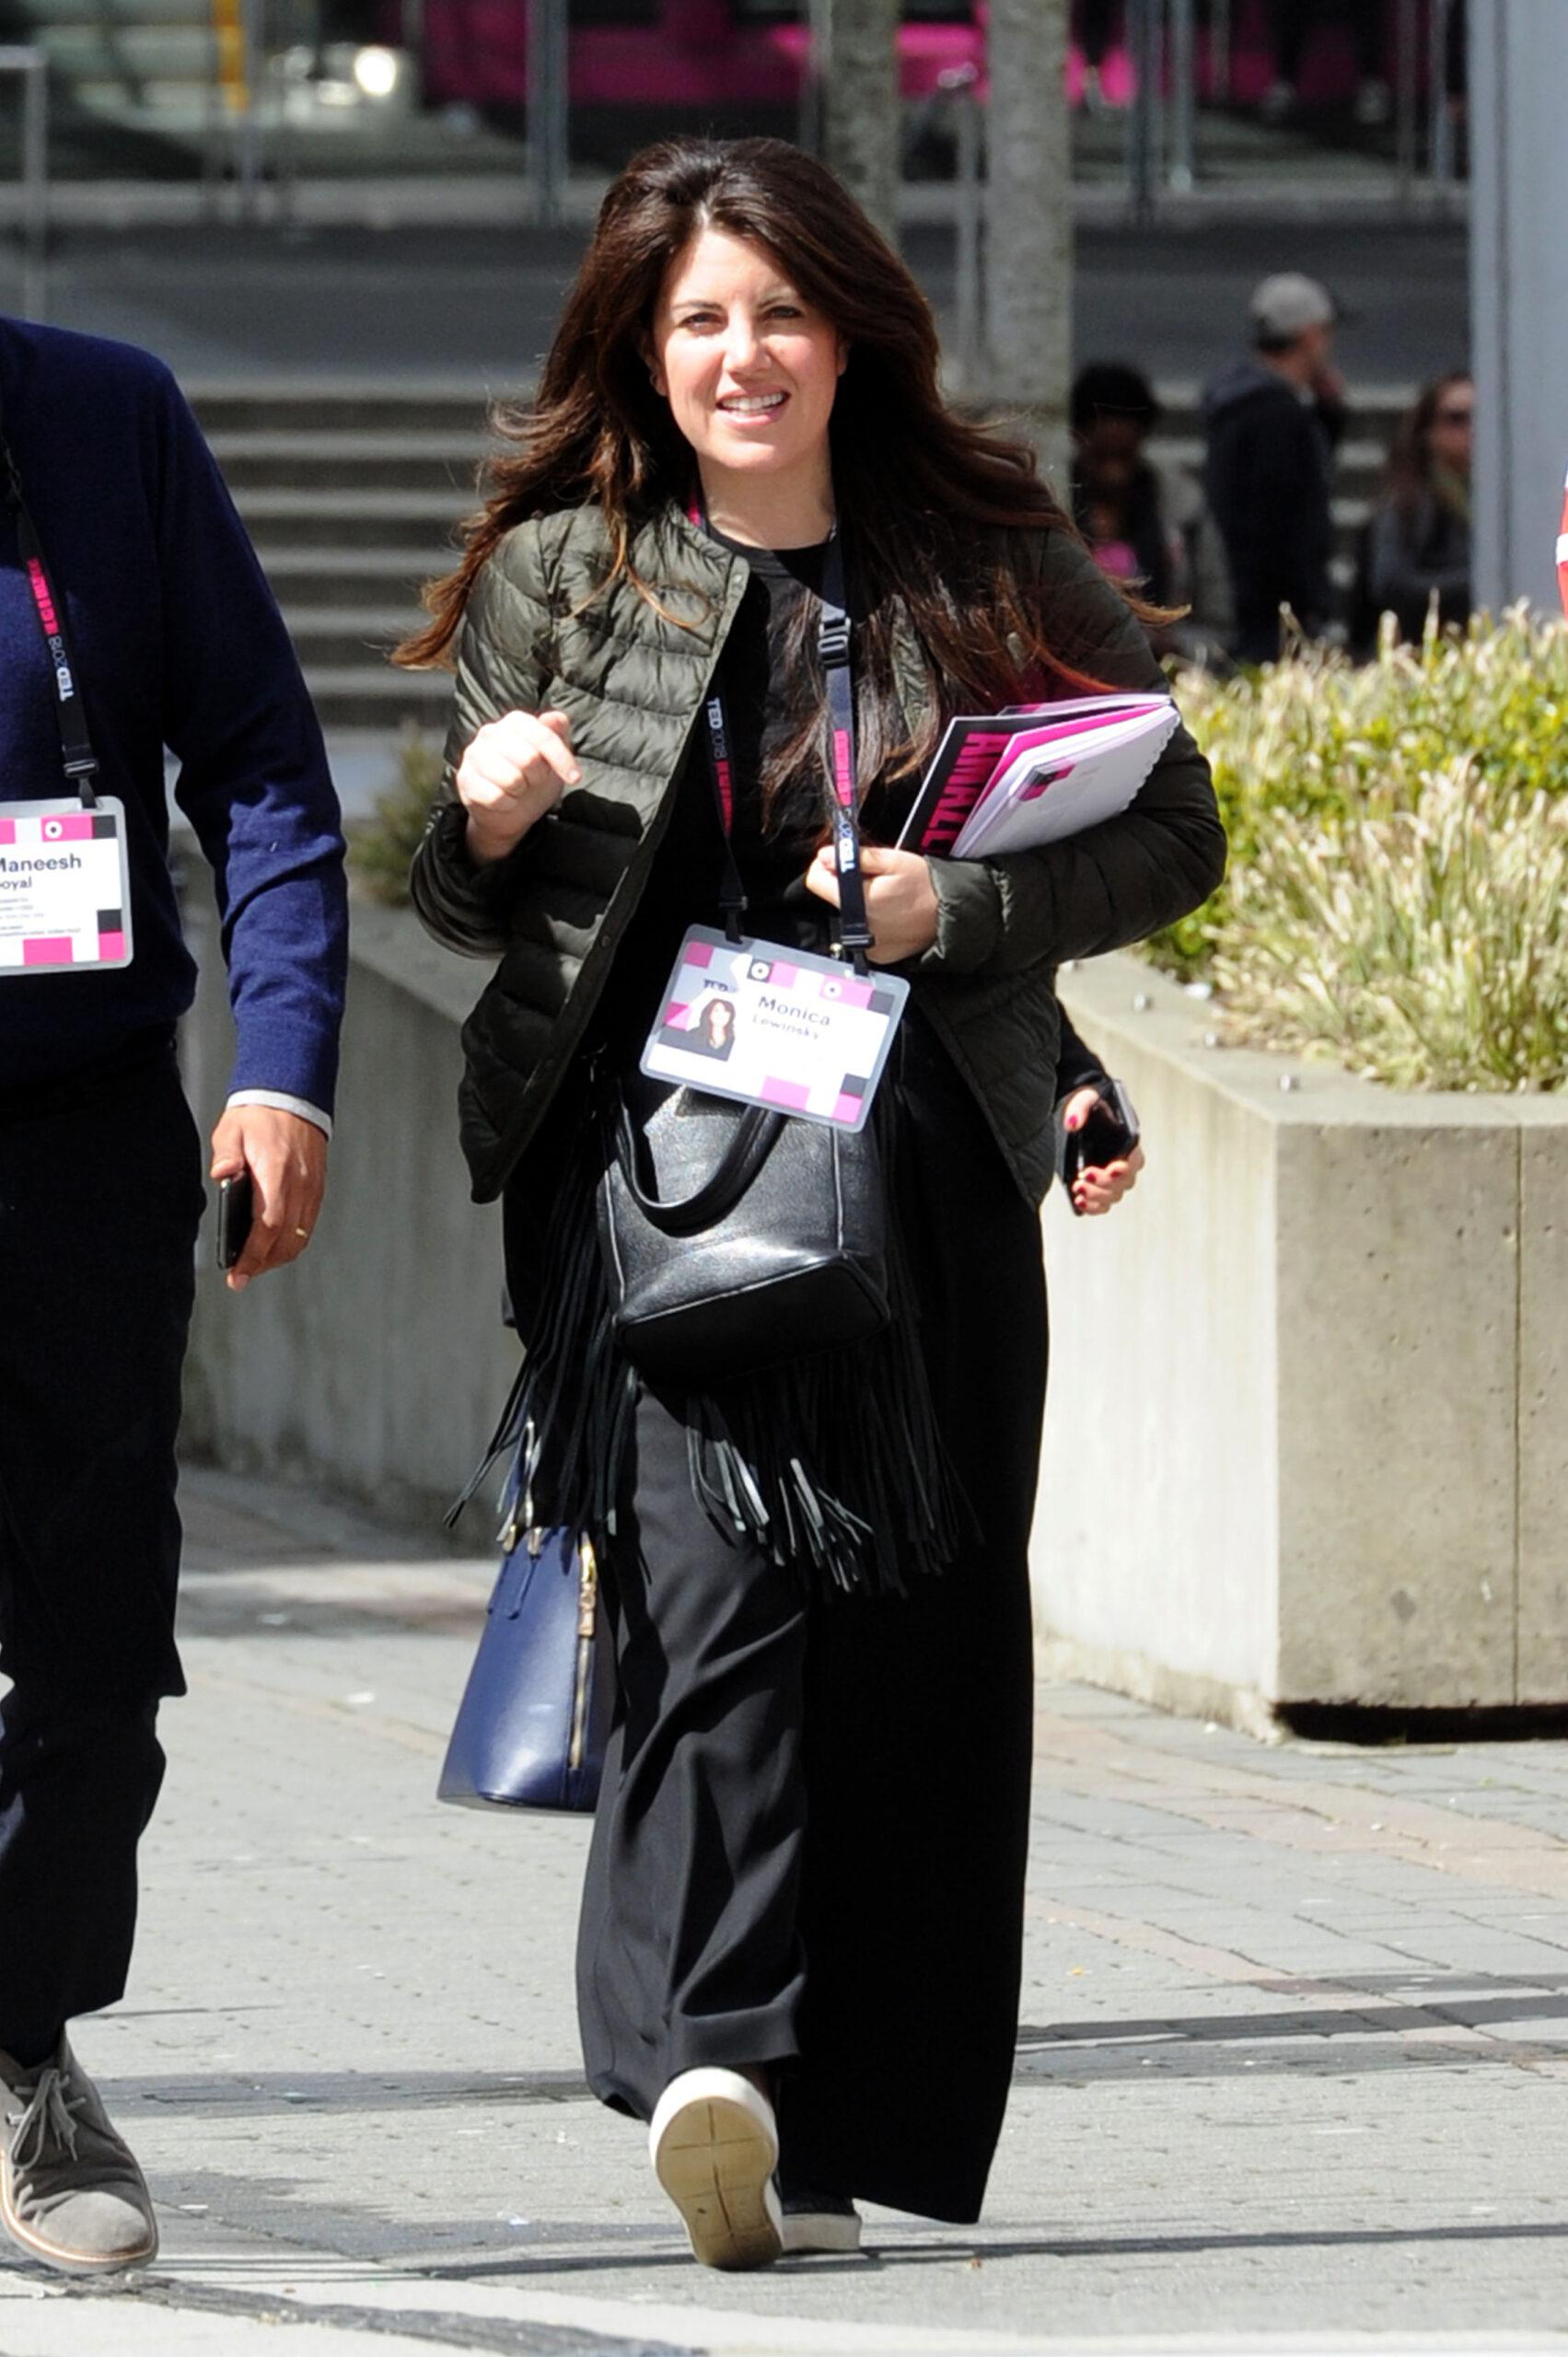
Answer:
(633, 683)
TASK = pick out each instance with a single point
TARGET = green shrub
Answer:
(1329, 740)
(1398, 897)
(380, 847)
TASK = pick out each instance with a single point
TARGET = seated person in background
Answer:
(1416, 545)
(1145, 523)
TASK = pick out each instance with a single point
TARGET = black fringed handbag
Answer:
(735, 1238)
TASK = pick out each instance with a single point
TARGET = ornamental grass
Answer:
(1398, 897)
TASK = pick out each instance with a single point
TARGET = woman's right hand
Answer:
(513, 773)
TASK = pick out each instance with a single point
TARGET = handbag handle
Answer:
(756, 1134)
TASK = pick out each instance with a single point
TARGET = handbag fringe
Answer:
(834, 1464)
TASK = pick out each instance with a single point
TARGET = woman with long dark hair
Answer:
(1415, 550)
(800, 1946)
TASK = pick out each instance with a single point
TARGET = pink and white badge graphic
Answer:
(64, 899)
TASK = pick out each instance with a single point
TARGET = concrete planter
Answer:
(377, 1363)
(1307, 1441)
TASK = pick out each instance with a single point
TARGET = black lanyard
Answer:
(76, 754)
(855, 936)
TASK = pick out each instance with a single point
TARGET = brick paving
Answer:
(1294, 2068)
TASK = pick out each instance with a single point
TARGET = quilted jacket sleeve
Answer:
(501, 669)
(1077, 1066)
(1117, 882)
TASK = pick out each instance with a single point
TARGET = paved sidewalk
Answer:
(1294, 2071)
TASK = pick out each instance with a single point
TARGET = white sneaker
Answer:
(715, 2144)
(818, 2222)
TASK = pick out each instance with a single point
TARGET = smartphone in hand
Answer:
(1109, 1135)
(237, 1208)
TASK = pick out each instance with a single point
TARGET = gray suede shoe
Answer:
(70, 2191)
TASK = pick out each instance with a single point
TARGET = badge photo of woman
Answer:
(712, 1034)
(800, 1946)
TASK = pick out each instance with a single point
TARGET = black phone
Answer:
(237, 1208)
(1109, 1135)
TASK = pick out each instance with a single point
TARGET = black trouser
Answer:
(100, 1195)
(811, 1847)
(1095, 20)
(1296, 21)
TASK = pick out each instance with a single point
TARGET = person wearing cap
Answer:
(132, 616)
(1273, 423)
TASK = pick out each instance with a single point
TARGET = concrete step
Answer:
(1359, 466)
(279, 520)
(372, 405)
(333, 577)
(350, 695)
(337, 637)
(434, 460)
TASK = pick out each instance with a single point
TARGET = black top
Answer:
(772, 851)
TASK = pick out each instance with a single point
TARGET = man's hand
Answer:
(286, 1157)
(514, 772)
(1096, 1191)
(901, 899)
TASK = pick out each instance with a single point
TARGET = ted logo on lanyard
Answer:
(64, 876)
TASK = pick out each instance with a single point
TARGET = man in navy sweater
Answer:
(114, 522)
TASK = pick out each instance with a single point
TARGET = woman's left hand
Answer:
(901, 899)
(1095, 1191)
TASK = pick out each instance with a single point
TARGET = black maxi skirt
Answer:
(810, 1847)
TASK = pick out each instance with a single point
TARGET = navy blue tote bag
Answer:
(535, 1715)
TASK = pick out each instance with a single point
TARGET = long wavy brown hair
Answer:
(1409, 480)
(929, 503)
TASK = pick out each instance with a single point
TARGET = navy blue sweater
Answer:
(177, 642)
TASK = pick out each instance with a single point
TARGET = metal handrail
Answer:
(32, 67)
